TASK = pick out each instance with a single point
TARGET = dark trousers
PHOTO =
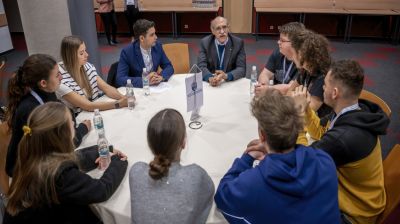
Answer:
(132, 15)
(110, 21)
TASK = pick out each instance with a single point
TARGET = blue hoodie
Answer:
(296, 187)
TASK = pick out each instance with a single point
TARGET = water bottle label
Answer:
(99, 125)
(145, 81)
(103, 152)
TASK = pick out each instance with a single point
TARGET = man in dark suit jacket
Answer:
(222, 56)
(145, 52)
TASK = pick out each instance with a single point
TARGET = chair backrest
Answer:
(2, 77)
(391, 169)
(112, 73)
(178, 54)
(5, 136)
(367, 95)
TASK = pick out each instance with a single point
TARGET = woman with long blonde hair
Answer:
(80, 84)
(48, 185)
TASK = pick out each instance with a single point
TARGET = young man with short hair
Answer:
(292, 183)
(144, 52)
(351, 138)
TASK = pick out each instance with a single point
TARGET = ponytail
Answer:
(159, 167)
(36, 67)
(15, 91)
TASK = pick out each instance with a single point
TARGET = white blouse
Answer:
(68, 84)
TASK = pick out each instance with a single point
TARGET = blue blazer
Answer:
(131, 64)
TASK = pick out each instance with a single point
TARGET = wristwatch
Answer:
(116, 105)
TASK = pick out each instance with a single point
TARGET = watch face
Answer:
(116, 105)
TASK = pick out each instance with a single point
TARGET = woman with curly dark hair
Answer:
(311, 55)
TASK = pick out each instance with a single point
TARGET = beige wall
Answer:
(238, 12)
(45, 23)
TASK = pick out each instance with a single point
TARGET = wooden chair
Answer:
(367, 95)
(5, 137)
(391, 169)
(178, 54)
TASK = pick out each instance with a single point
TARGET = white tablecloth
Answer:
(227, 128)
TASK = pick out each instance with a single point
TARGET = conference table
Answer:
(227, 128)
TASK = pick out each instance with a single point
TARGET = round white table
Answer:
(228, 126)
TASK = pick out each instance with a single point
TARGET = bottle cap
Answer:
(254, 67)
(128, 81)
(96, 110)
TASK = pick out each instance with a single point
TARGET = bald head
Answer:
(217, 20)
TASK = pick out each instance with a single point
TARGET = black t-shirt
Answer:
(284, 70)
(315, 85)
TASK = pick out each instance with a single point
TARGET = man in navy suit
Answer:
(222, 57)
(144, 52)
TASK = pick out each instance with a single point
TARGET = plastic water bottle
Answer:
(253, 80)
(104, 153)
(130, 94)
(146, 83)
(98, 122)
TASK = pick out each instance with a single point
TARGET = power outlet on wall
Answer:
(271, 27)
(186, 26)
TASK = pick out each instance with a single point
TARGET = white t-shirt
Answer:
(68, 84)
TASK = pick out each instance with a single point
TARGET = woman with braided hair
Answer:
(164, 191)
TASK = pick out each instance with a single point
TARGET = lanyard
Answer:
(37, 97)
(307, 83)
(344, 110)
(220, 57)
(284, 70)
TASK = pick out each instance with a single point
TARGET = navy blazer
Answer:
(131, 64)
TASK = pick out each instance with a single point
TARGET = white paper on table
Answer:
(194, 91)
(161, 87)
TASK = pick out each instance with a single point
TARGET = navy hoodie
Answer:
(296, 187)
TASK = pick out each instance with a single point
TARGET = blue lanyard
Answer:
(37, 97)
(220, 57)
(284, 69)
(344, 110)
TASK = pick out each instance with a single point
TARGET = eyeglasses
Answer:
(221, 28)
(284, 41)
